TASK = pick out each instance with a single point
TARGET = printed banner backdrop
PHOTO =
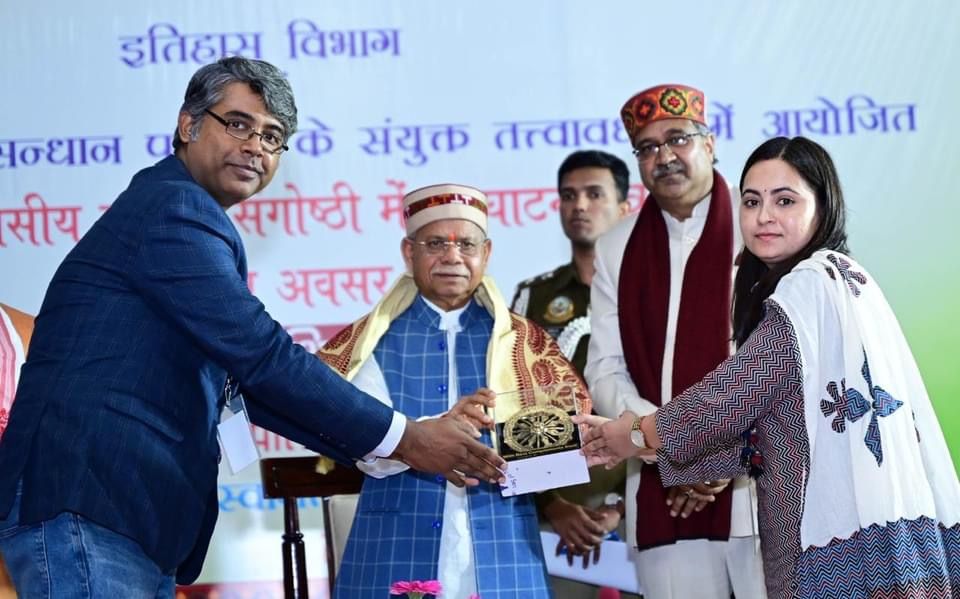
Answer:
(393, 96)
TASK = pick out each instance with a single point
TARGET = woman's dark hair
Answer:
(755, 281)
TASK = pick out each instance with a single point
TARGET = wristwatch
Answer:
(636, 435)
(612, 499)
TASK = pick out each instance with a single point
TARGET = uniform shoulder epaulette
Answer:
(538, 278)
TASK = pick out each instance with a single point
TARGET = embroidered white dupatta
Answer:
(865, 407)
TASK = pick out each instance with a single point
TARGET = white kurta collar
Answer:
(689, 227)
(449, 320)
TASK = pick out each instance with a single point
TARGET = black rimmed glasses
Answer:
(438, 246)
(239, 129)
(648, 150)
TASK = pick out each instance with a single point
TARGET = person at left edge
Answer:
(15, 330)
(109, 460)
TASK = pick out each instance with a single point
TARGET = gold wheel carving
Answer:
(537, 428)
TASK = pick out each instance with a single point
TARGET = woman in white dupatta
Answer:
(822, 402)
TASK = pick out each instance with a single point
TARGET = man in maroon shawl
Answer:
(661, 320)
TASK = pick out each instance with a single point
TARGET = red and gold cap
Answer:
(668, 101)
(438, 202)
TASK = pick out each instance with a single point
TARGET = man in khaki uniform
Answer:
(593, 189)
(558, 302)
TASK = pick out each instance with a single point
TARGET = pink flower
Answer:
(416, 588)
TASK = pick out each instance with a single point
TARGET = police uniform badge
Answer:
(559, 310)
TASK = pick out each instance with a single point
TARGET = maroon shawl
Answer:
(702, 342)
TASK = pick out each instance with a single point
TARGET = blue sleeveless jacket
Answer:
(397, 529)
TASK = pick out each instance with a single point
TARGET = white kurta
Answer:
(455, 569)
(606, 372)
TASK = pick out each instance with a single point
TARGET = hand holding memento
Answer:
(473, 409)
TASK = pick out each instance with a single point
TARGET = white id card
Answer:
(236, 439)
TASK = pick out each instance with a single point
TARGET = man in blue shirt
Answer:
(108, 465)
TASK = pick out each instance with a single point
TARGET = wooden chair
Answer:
(290, 479)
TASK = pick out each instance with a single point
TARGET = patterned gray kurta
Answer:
(762, 387)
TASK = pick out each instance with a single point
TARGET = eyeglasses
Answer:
(646, 151)
(270, 142)
(437, 246)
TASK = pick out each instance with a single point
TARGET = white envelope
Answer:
(550, 471)
(613, 570)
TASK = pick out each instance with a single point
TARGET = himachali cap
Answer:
(438, 202)
(668, 101)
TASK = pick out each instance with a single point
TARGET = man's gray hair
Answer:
(207, 84)
(705, 131)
